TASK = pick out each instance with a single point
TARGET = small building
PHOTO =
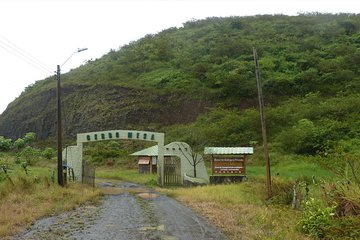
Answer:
(147, 159)
(228, 164)
(147, 164)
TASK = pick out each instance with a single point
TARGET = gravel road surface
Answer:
(127, 212)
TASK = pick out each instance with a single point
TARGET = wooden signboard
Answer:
(228, 165)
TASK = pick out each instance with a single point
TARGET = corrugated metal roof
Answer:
(151, 151)
(228, 150)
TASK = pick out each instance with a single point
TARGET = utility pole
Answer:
(59, 130)
(263, 124)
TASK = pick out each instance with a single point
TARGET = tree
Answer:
(48, 153)
(30, 137)
(191, 156)
(19, 143)
(5, 144)
(29, 154)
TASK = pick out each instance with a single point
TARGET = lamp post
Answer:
(59, 125)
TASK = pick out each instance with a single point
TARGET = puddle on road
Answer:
(115, 187)
(149, 228)
(168, 238)
(147, 195)
(161, 229)
(112, 191)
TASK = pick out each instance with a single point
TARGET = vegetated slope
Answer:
(207, 66)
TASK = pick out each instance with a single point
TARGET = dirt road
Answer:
(130, 212)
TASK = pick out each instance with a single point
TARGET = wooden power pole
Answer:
(59, 131)
(263, 124)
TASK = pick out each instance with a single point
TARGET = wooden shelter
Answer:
(147, 159)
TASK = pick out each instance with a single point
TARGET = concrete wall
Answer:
(183, 151)
(73, 157)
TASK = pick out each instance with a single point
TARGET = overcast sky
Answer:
(37, 35)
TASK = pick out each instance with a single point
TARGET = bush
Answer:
(324, 222)
(101, 152)
(30, 137)
(282, 191)
(5, 144)
(48, 153)
(307, 138)
(344, 228)
(29, 154)
(346, 195)
(19, 144)
(316, 220)
(21, 184)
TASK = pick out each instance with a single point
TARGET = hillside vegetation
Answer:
(202, 74)
(197, 84)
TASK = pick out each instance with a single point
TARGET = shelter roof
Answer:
(228, 150)
(151, 151)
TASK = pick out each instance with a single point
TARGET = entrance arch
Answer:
(74, 154)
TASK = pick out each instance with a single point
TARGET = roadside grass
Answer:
(126, 175)
(237, 209)
(240, 210)
(29, 197)
(300, 170)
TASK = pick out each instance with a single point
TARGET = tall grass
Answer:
(292, 168)
(346, 195)
(29, 198)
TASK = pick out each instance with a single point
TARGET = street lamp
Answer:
(59, 125)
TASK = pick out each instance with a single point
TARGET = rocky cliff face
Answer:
(97, 107)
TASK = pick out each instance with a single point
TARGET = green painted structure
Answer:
(73, 155)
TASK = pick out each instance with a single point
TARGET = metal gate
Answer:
(172, 171)
(88, 174)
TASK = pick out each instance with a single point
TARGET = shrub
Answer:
(101, 152)
(48, 153)
(19, 144)
(5, 144)
(282, 191)
(30, 137)
(29, 154)
(346, 195)
(307, 138)
(344, 228)
(316, 219)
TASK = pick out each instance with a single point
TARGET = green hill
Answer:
(197, 83)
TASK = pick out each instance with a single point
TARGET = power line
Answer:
(23, 55)
(25, 60)
(23, 52)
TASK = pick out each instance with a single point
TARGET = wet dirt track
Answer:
(126, 212)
